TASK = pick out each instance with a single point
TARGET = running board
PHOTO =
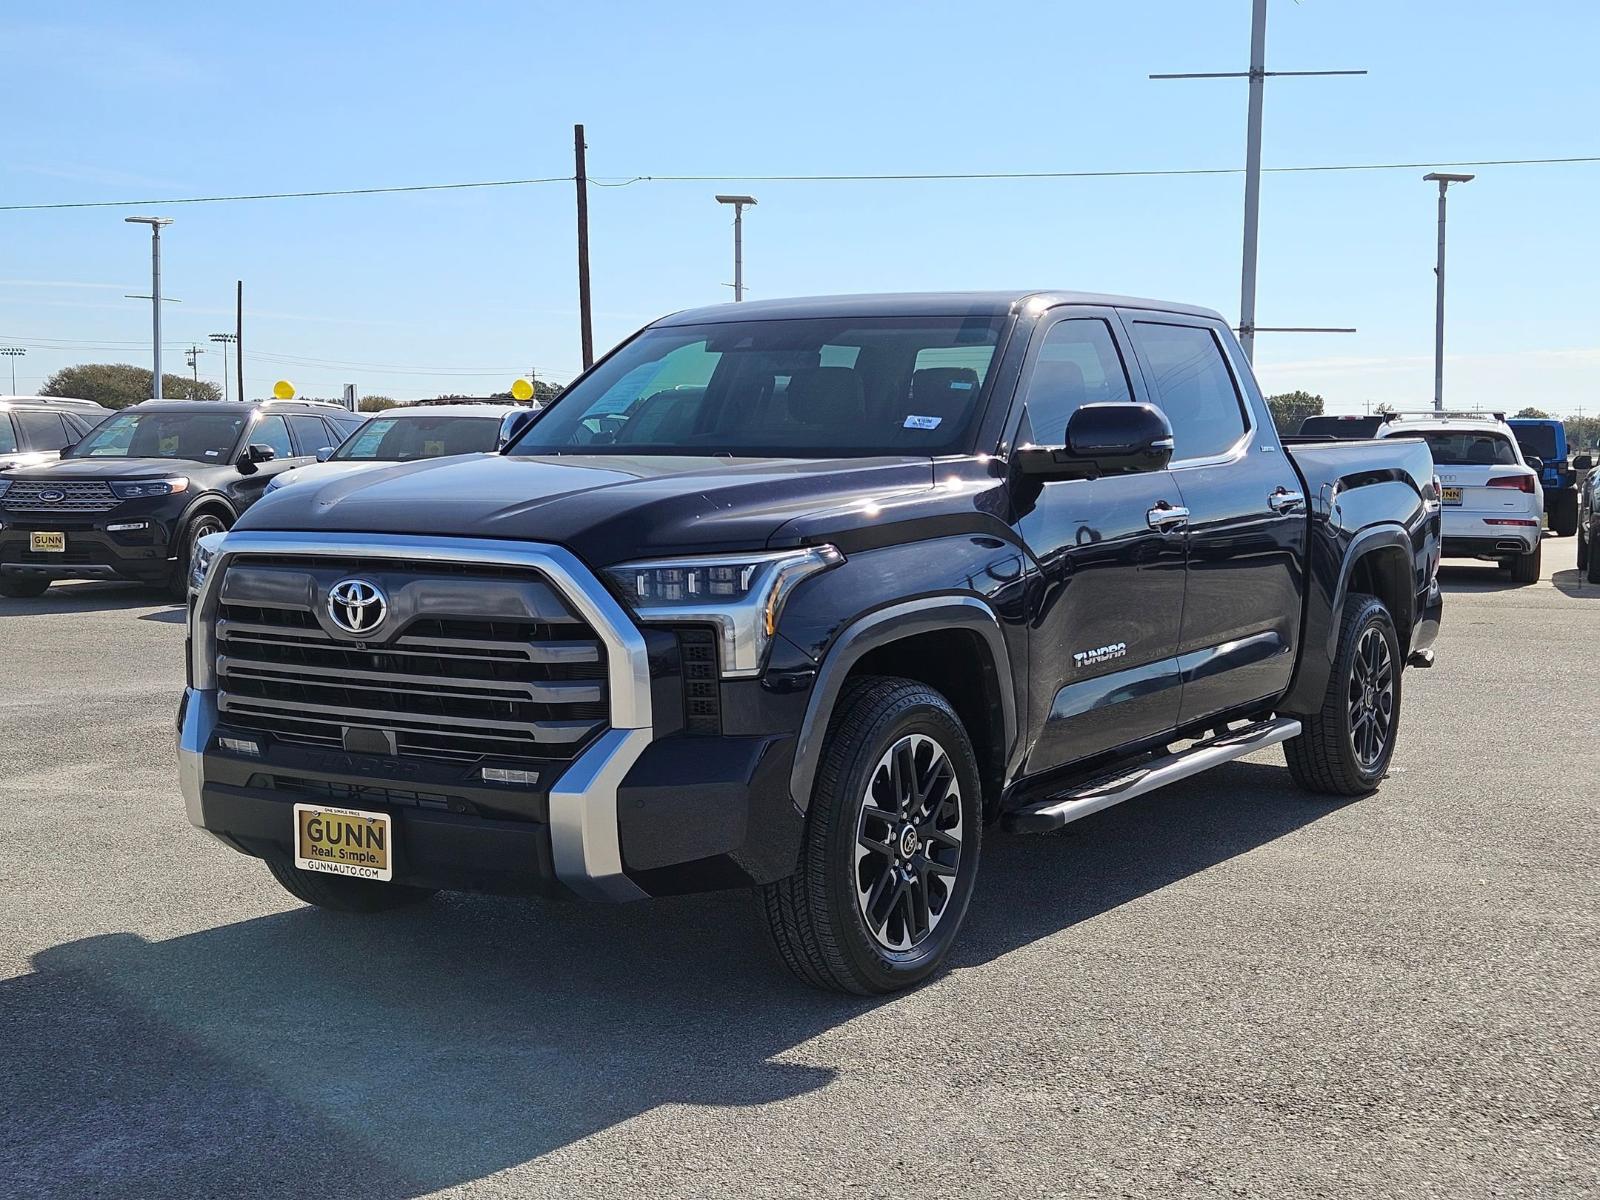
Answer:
(1107, 790)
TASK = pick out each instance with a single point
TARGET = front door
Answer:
(1107, 570)
(1247, 518)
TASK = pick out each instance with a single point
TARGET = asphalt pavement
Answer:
(1224, 989)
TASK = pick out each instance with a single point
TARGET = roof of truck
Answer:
(914, 304)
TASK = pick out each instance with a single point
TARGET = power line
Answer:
(901, 177)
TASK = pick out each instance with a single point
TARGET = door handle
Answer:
(1284, 500)
(1164, 515)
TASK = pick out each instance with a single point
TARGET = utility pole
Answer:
(13, 353)
(222, 339)
(581, 177)
(155, 224)
(1444, 181)
(194, 368)
(739, 203)
(238, 333)
(1257, 75)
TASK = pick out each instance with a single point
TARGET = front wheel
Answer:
(891, 844)
(1344, 748)
(22, 587)
(178, 582)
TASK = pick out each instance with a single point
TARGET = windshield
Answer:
(397, 439)
(1467, 447)
(1341, 427)
(1537, 441)
(202, 436)
(833, 387)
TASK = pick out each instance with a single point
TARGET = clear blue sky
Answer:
(110, 101)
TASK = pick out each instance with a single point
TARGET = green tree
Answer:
(1289, 409)
(117, 385)
(543, 392)
(1537, 414)
(376, 403)
(1384, 409)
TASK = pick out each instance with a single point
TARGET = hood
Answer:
(113, 468)
(605, 508)
(320, 473)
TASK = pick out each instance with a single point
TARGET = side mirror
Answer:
(1536, 464)
(1103, 439)
(513, 425)
(254, 455)
(324, 454)
(1584, 462)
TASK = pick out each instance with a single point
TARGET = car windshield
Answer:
(398, 439)
(1537, 441)
(202, 436)
(829, 387)
(1341, 427)
(1467, 447)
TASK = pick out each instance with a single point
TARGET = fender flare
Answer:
(202, 502)
(1374, 538)
(891, 624)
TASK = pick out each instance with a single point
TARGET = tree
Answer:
(1385, 409)
(543, 393)
(376, 403)
(1289, 409)
(117, 385)
(1537, 414)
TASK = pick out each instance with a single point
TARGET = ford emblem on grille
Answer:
(357, 606)
(53, 496)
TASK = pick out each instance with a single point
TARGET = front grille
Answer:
(84, 496)
(466, 682)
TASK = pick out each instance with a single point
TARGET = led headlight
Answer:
(140, 488)
(200, 562)
(742, 594)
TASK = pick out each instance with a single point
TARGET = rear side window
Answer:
(8, 435)
(1185, 369)
(43, 430)
(1078, 364)
(311, 433)
(271, 431)
(1537, 441)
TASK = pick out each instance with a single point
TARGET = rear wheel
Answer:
(1593, 573)
(23, 587)
(1526, 568)
(340, 893)
(1344, 748)
(1583, 549)
(1564, 512)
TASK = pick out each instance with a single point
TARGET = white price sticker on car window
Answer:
(915, 422)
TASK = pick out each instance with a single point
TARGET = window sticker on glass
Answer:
(432, 449)
(924, 422)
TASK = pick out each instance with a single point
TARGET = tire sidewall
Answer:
(884, 969)
(199, 527)
(1372, 614)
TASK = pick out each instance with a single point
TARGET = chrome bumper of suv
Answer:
(585, 842)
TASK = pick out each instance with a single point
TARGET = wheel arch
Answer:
(213, 503)
(950, 643)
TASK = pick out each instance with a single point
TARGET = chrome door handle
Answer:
(1284, 500)
(1164, 515)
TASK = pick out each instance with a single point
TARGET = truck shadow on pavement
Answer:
(93, 597)
(306, 1053)
(1574, 584)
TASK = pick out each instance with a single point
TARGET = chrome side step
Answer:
(1107, 790)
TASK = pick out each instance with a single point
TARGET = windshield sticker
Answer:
(922, 422)
(212, 453)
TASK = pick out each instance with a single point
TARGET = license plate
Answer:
(343, 841)
(47, 543)
(1452, 495)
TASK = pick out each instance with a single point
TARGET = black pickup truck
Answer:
(801, 596)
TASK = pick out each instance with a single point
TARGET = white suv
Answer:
(1493, 504)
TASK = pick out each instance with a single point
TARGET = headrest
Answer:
(1059, 380)
(941, 391)
(826, 396)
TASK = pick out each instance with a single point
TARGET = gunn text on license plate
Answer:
(1452, 495)
(47, 543)
(343, 841)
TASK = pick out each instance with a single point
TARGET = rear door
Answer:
(1106, 582)
(1247, 521)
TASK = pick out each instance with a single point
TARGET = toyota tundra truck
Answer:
(805, 596)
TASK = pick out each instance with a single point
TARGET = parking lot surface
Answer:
(1223, 989)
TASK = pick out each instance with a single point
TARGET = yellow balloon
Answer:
(283, 390)
(522, 390)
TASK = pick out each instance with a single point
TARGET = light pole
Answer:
(13, 353)
(223, 339)
(738, 203)
(155, 224)
(1444, 181)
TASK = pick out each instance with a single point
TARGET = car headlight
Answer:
(205, 550)
(139, 489)
(742, 594)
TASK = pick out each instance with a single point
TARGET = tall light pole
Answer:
(738, 203)
(155, 224)
(1444, 181)
(223, 339)
(13, 353)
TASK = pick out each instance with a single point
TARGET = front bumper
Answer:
(93, 551)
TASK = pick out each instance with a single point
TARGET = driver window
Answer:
(1077, 364)
(271, 431)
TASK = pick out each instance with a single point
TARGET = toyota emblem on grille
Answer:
(53, 496)
(357, 606)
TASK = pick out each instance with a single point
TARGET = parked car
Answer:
(411, 434)
(1546, 440)
(33, 429)
(133, 497)
(1588, 517)
(801, 595)
(1493, 505)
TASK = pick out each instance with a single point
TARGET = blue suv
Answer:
(1546, 440)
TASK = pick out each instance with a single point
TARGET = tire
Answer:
(1324, 757)
(861, 856)
(1563, 512)
(22, 587)
(1593, 573)
(1526, 568)
(340, 893)
(1583, 549)
(177, 587)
